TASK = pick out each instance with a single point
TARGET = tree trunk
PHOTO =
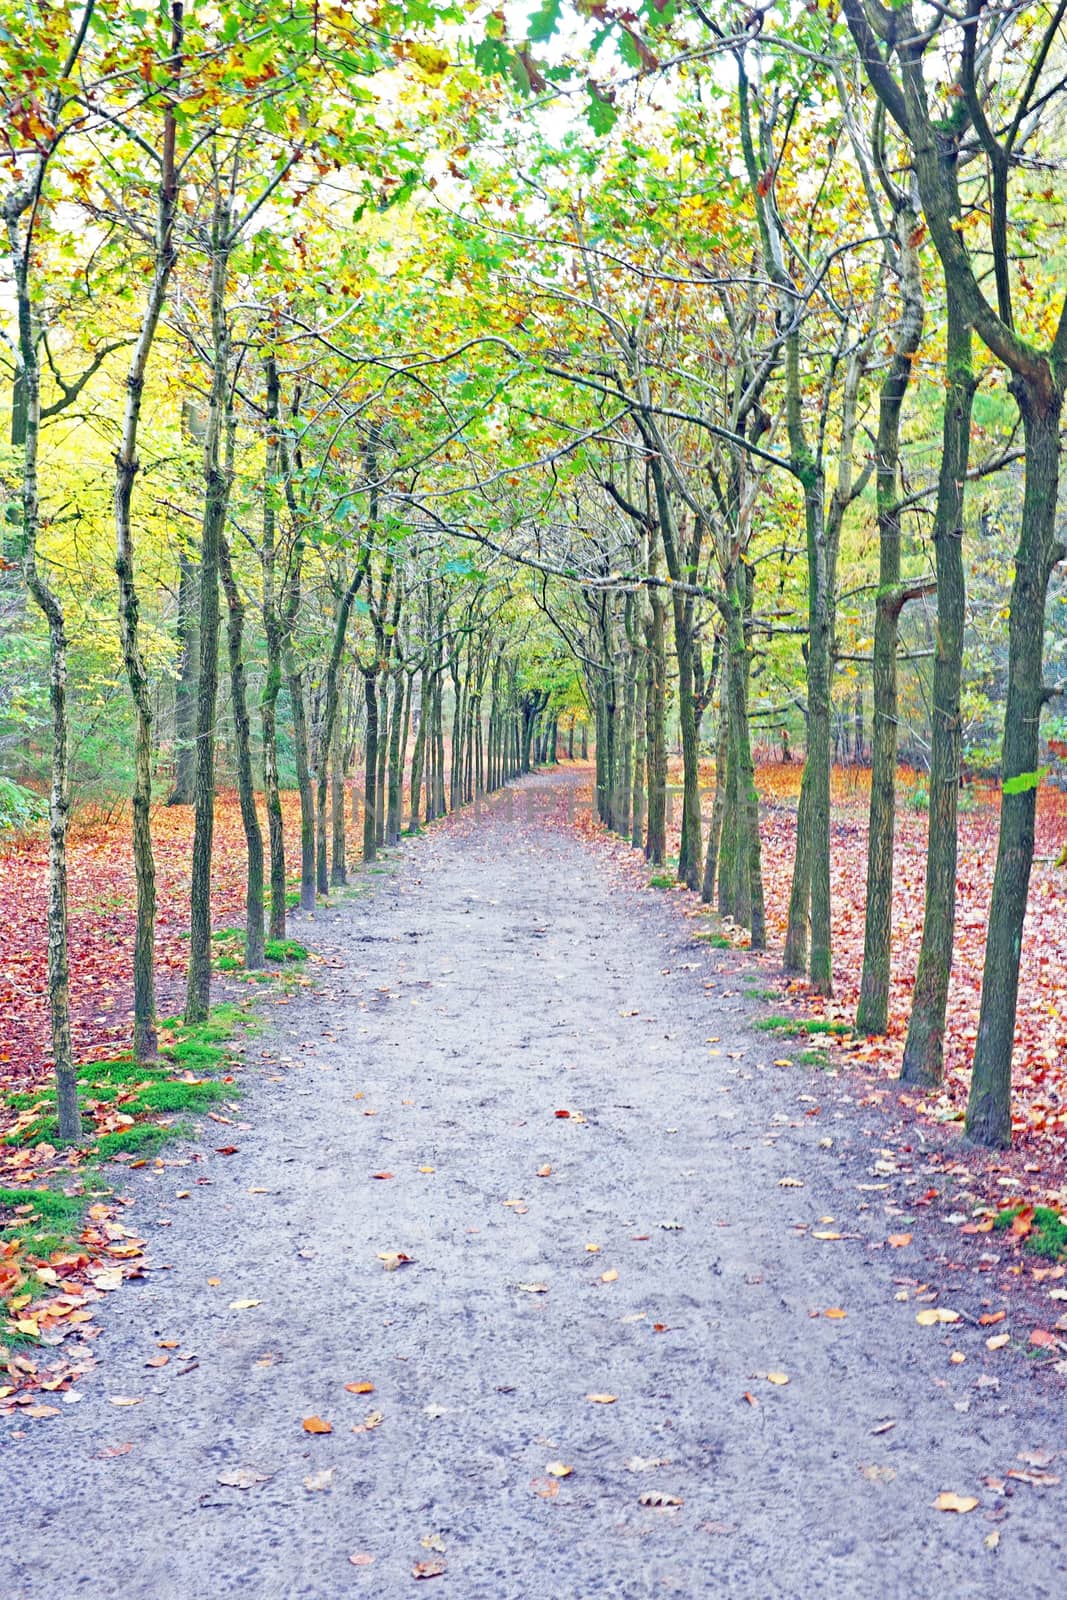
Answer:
(924, 1049)
(242, 747)
(656, 731)
(872, 1012)
(295, 680)
(989, 1104)
(188, 633)
(370, 769)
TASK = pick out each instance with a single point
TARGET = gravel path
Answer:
(495, 976)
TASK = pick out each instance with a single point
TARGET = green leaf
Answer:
(544, 22)
(1024, 781)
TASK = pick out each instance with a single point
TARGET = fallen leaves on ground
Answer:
(947, 1501)
(317, 1425)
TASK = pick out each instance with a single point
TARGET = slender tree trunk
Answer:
(370, 770)
(242, 747)
(68, 1114)
(989, 1105)
(295, 680)
(924, 1049)
(656, 732)
(395, 778)
(338, 868)
(718, 804)
(188, 632)
(217, 479)
(272, 627)
(417, 754)
(637, 822)
(872, 1012)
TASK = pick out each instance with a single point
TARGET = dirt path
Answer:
(494, 977)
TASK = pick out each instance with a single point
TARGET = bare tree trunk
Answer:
(243, 750)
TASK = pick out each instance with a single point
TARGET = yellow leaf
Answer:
(126, 1399)
(825, 1235)
(610, 1276)
(360, 1388)
(592, 1248)
(602, 1399)
(998, 1341)
(557, 1469)
(243, 1305)
(932, 1315)
(835, 1313)
(947, 1501)
(777, 1377)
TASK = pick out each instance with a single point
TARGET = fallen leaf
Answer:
(992, 1539)
(751, 1398)
(592, 1249)
(879, 1474)
(884, 1427)
(372, 1420)
(243, 1305)
(777, 1378)
(990, 1317)
(602, 1399)
(381, 1175)
(158, 1361)
(835, 1313)
(562, 1113)
(998, 1341)
(434, 1542)
(790, 1183)
(242, 1478)
(126, 1399)
(935, 1314)
(1044, 1340)
(533, 1288)
(899, 1240)
(610, 1276)
(644, 1463)
(362, 1558)
(547, 1488)
(226, 1150)
(41, 1411)
(557, 1469)
(428, 1569)
(946, 1501)
(319, 1480)
(392, 1259)
(1037, 1479)
(825, 1235)
(360, 1388)
(544, 1172)
(655, 1498)
(317, 1425)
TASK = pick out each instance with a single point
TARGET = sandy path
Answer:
(493, 976)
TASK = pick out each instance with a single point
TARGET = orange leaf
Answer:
(899, 1240)
(360, 1388)
(316, 1425)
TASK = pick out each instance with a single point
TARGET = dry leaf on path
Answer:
(533, 1288)
(602, 1399)
(947, 1501)
(998, 1341)
(126, 1399)
(242, 1478)
(611, 1276)
(899, 1240)
(658, 1500)
(428, 1569)
(317, 1425)
(935, 1314)
(360, 1388)
(434, 1542)
(319, 1480)
(243, 1305)
(778, 1377)
(361, 1558)
(392, 1259)
(558, 1469)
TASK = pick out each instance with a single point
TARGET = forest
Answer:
(414, 409)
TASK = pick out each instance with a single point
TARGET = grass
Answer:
(814, 1058)
(39, 1223)
(1047, 1236)
(285, 950)
(761, 994)
(662, 880)
(802, 1026)
(143, 1091)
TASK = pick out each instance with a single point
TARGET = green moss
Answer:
(814, 1058)
(662, 880)
(173, 1095)
(228, 964)
(802, 1027)
(1048, 1235)
(285, 950)
(143, 1139)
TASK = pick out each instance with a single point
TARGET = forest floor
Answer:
(534, 1267)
